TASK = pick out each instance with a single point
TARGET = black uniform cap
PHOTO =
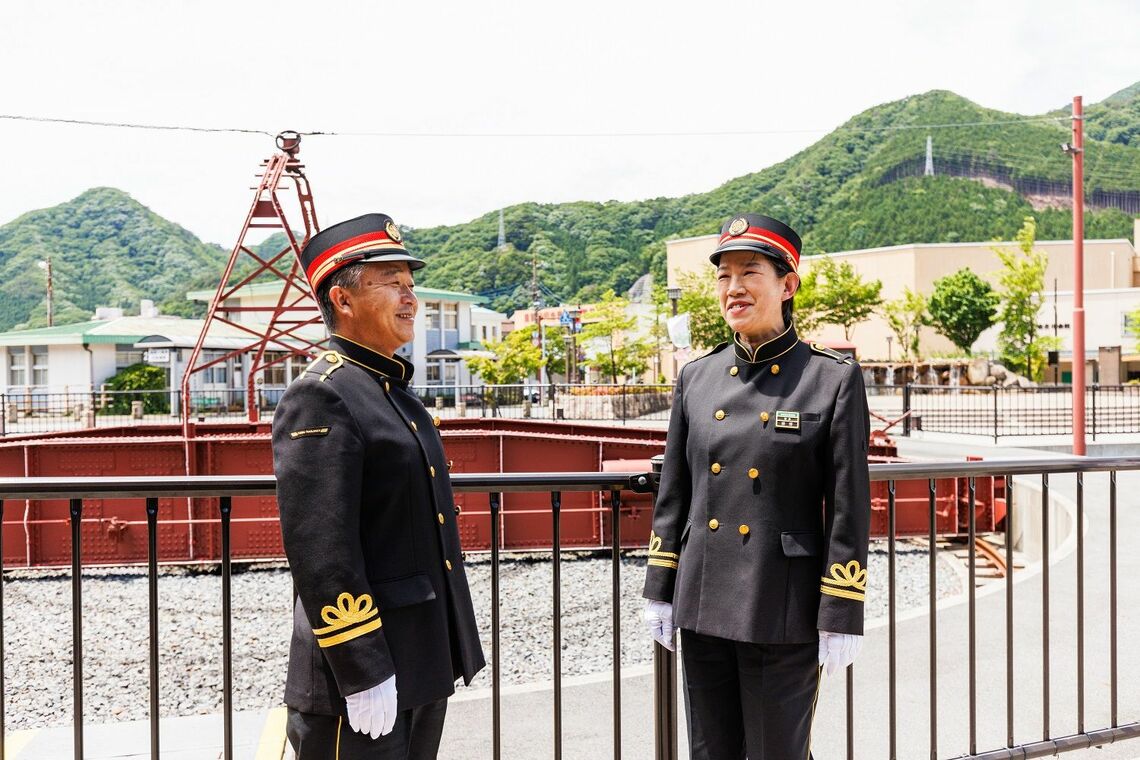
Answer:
(372, 237)
(763, 234)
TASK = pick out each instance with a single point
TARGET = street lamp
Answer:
(674, 296)
(889, 339)
(568, 339)
(572, 346)
(46, 266)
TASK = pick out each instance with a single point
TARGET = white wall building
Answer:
(449, 326)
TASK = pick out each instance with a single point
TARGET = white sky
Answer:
(509, 67)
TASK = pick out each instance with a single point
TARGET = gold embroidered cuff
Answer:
(841, 593)
(349, 618)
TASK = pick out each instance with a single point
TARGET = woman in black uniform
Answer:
(759, 546)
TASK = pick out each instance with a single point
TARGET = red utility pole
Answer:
(1077, 151)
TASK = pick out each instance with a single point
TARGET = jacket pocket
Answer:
(403, 592)
(801, 543)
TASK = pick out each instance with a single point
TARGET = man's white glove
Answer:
(838, 650)
(373, 711)
(659, 618)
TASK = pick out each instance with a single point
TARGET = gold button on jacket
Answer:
(809, 514)
(719, 414)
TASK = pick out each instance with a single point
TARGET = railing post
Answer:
(997, 396)
(76, 510)
(3, 727)
(1094, 412)
(906, 409)
(225, 508)
(615, 530)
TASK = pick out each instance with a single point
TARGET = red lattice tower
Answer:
(282, 176)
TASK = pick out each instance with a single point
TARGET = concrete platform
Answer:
(257, 736)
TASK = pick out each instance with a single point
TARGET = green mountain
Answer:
(106, 249)
(860, 186)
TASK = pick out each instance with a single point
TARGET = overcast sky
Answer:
(795, 70)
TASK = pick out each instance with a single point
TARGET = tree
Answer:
(905, 317)
(138, 377)
(807, 310)
(843, 297)
(707, 327)
(610, 331)
(1022, 284)
(962, 306)
(516, 358)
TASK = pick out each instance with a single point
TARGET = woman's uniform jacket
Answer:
(761, 523)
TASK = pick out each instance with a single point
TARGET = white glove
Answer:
(838, 650)
(373, 711)
(659, 618)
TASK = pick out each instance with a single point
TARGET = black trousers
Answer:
(749, 700)
(415, 736)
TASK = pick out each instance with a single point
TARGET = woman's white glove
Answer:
(838, 650)
(659, 618)
(373, 711)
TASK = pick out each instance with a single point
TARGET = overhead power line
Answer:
(532, 135)
(130, 125)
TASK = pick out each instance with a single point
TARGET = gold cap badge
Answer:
(393, 231)
(738, 227)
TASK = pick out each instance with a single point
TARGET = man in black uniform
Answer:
(383, 624)
(759, 546)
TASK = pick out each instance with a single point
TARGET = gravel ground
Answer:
(37, 630)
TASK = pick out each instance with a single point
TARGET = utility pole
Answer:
(1076, 150)
(46, 266)
(537, 314)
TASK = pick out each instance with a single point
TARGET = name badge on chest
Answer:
(787, 420)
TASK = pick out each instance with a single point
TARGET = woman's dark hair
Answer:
(783, 269)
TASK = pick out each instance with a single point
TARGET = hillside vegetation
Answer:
(860, 186)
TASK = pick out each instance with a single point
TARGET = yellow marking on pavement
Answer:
(16, 741)
(271, 745)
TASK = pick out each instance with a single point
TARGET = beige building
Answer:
(1109, 265)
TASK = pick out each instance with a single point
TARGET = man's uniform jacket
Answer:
(370, 531)
(761, 523)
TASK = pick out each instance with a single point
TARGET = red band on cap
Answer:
(765, 236)
(368, 239)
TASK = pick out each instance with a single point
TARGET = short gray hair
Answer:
(346, 277)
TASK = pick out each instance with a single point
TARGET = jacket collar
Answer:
(395, 367)
(765, 352)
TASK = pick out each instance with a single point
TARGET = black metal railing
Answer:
(225, 488)
(1001, 412)
(32, 412)
(551, 401)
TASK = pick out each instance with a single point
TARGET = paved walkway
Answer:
(527, 720)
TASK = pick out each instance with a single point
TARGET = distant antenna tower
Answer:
(929, 170)
(502, 231)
